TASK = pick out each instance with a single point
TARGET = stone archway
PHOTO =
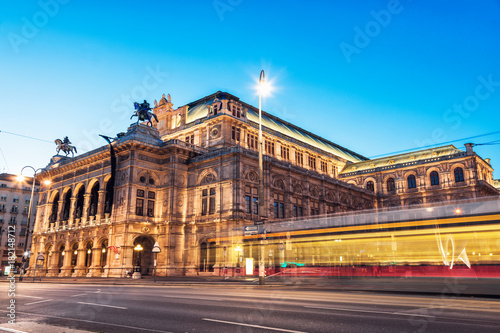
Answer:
(145, 256)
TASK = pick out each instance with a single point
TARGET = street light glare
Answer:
(46, 182)
(264, 88)
(20, 178)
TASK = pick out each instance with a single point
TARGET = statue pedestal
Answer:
(56, 160)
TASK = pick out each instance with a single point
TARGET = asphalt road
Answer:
(207, 308)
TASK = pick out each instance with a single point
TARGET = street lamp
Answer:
(262, 215)
(25, 252)
(137, 270)
(156, 250)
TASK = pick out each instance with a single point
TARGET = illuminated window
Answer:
(434, 178)
(459, 175)
(391, 187)
(412, 182)
(370, 186)
(208, 201)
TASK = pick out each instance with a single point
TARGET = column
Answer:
(71, 219)
(66, 267)
(80, 261)
(100, 205)
(85, 212)
(60, 209)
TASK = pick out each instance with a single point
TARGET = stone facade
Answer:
(190, 184)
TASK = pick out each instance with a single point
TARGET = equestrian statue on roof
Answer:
(65, 146)
(143, 113)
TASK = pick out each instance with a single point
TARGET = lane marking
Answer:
(47, 300)
(370, 311)
(11, 330)
(28, 296)
(250, 325)
(108, 306)
(205, 298)
(90, 321)
(79, 295)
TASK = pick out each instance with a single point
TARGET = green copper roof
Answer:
(401, 159)
(199, 109)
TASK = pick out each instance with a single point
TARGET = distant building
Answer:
(14, 206)
(190, 184)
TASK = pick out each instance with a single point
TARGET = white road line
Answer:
(194, 297)
(90, 321)
(79, 295)
(370, 311)
(47, 300)
(250, 325)
(108, 306)
(3, 329)
(28, 296)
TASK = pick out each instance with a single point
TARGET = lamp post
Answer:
(262, 215)
(137, 268)
(25, 253)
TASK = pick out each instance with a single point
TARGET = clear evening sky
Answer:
(377, 77)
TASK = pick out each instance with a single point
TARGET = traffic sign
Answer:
(251, 228)
(156, 248)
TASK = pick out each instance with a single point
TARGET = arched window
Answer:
(459, 175)
(412, 182)
(434, 178)
(55, 209)
(67, 205)
(94, 197)
(370, 186)
(79, 202)
(391, 186)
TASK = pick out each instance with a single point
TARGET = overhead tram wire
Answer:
(33, 138)
(439, 144)
(6, 164)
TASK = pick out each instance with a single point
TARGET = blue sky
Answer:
(377, 77)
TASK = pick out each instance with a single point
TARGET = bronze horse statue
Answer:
(65, 146)
(143, 113)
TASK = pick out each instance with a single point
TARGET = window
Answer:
(12, 220)
(208, 201)
(139, 207)
(25, 210)
(15, 200)
(251, 200)
(391, 186)
(22, 233)
(3, 198)
(236, 110)
(140, 193)
(216, 108)
(190, 139)
(279, 206)
(459, 175)
(2, 208)
(285, 153)
(14, 209)
(269, 147)
(297, 207)
(324, 167)
(27, 201)
(330, 209)
(299, 158)
(412, 183)
(370, 186)
(151, 203)
(252, 141)
(248, 204)
(312, 162)
(314, 208)
(236, 133)
(434, 178)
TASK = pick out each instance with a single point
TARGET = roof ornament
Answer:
(143, 113)
(65, 146)
(168, 98)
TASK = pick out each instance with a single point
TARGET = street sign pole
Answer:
(156, 250)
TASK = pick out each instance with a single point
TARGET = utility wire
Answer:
(6, 164)
(33, 138)
(436, 144)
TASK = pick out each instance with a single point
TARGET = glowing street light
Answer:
(20, 178)
(137, 268)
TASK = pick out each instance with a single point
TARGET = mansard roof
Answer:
(199, 109)
(402, 160)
